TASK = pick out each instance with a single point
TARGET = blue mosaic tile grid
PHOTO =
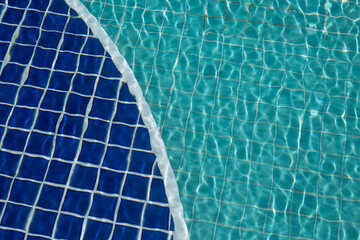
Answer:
(75, 156)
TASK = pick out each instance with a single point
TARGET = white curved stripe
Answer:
(157, 144)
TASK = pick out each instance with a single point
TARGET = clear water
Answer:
(76, 160)
(257, 102)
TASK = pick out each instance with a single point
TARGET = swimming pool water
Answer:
(77, 153)
(257, 102)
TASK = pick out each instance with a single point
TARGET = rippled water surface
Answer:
(257, 102)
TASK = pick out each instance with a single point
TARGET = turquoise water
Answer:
(257, 102)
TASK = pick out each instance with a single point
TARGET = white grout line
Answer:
(157, 143)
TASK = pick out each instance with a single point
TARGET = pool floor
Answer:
(257, 103)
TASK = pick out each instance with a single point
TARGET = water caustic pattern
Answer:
(258, 104)
(75, 156)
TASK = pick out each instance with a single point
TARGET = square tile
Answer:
(22, 117)
(76, 202)
(43, 222)
(58, 172)
(156, 217)
(15, 215)
(66, 148)
(130, 212)
(136, 186)
(103, 206)
(68, 227)
(50, 197)
(110, 181)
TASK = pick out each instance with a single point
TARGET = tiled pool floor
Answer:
(257, 103)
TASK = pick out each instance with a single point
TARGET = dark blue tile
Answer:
(54, 22)
(103, 206)
(60, 80)
(130, 212)
(121, 135)
(18, 3)
(29, 96)
(33, 168)
(12, 73)
(50, 197)
(71, 125)
(66, 148)
(66, 61)
(6, 32)
(68, 227)
(102, 109)
(73, 13)
(90, 65)
(22, 117)
(142, 162)
(76, 202)
(7, 93)
(58, 172)
(142, 139)
(46, 121)
(58, 6)
(44, 57)
(15, 140)
(93, 47)
(172, 226)
(157, 171)
(72, 43)
(136, 186)
(2, 130)
(39, 4)
(43, 222)
(21, 54)
(157, 192)
(77, 104)
(5, 184)
(40, 144)
(116, 158)
(125, 94)
(33, 18)
(97, 130)
(15, 216)
(91, 152)
(110, 182)
(107, 88)
(84, 177)
(97, 230)
(28, 35)
(49, 39)
(76, 26)
(24, 191)
(109, 69)
(8, 163)
(11, 234)
(125, 232)
(36, 238)
(12, 15)
(38, 77)
(4, 113)
(149, 235)
(3, 48)
(83, 84)
(156, 217)
(53, 100)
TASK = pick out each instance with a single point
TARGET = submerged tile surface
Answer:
(257, 104)
(75, 155)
